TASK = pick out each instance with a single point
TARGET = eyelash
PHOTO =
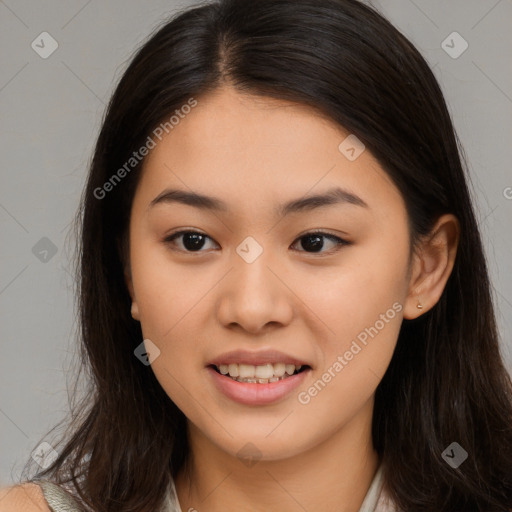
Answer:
(340, 241)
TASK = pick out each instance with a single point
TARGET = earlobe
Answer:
(433, 262)
(135, 311)
(129, 284)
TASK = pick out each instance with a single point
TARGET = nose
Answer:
(254, 297)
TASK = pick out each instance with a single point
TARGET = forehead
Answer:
(255, 148)
(230, 121)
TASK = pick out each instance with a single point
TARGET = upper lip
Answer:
(256, 358)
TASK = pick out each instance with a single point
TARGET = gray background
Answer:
(50, 113)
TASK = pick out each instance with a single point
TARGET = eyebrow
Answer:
(333, 196)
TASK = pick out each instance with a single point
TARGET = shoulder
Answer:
(26, 497)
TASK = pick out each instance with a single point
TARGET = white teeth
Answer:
(246, 371)
(279, 369)
(265, 372)
(261, 373)
(233, 370)
(290, 368)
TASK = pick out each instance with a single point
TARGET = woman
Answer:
(284, 298)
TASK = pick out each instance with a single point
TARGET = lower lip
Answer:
(256, 394)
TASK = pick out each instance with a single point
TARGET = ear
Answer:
(432, 264)
(124, 256)
(129, 284)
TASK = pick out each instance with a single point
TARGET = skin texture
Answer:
(255, 153)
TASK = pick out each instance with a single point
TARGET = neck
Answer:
(333, 475)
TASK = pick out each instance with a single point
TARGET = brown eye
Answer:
(314, 242)
(192, 241)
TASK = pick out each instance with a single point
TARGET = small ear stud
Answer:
(419, 306)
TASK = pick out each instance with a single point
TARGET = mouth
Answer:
(259, 374)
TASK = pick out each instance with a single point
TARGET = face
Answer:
(257, 288)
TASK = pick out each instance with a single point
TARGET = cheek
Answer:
(360, 302)
(167, 293)
(354, 294)
(362, 307)
(171, 304)
(363, 319)
(172, 301)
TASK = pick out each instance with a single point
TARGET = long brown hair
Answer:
(446, 381)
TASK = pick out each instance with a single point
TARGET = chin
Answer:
(255, 443)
